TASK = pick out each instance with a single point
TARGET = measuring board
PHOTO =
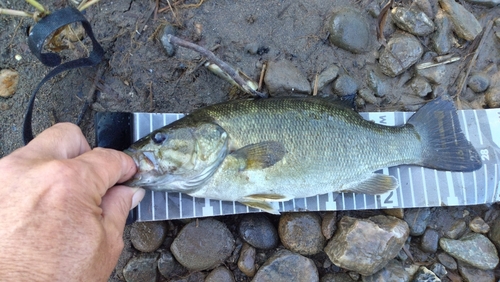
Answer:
(419, 187)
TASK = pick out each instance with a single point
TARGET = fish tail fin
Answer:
(444, 145)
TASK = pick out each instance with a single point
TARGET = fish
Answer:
(261, 151)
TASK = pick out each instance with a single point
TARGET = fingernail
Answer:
(138, 195)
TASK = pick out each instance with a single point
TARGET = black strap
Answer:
(39, 33)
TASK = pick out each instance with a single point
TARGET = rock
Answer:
(456, 230)
(403, 50)
(282, 77)
(474, 249)
(148, 236)
(327, 76)
(246, 262)
(435, 75)
(472, 274)
(354, 275)
(367, 245)
(486, 3)
(412, 20)
(426, 7)
(399, 213)
(430, 241)
(417, 220)
(258, 231)
(494, 233)
(220, 274)
(141, 268)
(349, 30)
(479, 82)
(168, 266)
(393, 271)
(420, 87)
(252, 48)
(368, 96)
(345, 85)
(336, 277)
(465, 25)
(8, 82)
(492, 97)
(203, 244)
(329, 224)
(448, 261)
(441, 39)
(169, 48)
(425, 275)
(301, 233)
(479, 226)
(439, 270)
(287, 266)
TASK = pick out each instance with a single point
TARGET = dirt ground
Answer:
(136, 75)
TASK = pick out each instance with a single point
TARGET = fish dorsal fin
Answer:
(373, 185)
(262, 205)
(259, 155)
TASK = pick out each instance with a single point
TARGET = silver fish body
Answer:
(259, 151)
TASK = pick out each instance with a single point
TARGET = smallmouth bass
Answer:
(260, 151)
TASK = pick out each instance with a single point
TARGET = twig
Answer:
(315, 89)
(382, 18)
(37, 6)
(261, 78)
(90, 98)
(87, 4)
(15, 13)
(473, 60)
(214, 60)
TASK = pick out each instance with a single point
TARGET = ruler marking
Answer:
(411, 187)
(486, 177)
(425, 187)
(180, 205)
(463, 188)
(478, 128)
(452, 199)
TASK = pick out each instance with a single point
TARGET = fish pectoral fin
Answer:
(260, 155)
(262, 205)
(373, 185)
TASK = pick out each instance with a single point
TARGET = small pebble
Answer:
(430, 241)
(438, 269)
(141, 268)
(478, 225)
(441, 39)
(349, 30)
(148, 236)
(285, 266)
(246, 262)
(203, 244)
(168, 266)
(472, 274)
(403, 51)
(456, 230)
(393, 271)
(8, 82)
(368, 96)
(252, 48)
(474, 249)
(220, 274)
(327, 76)
(329, 224)
(425, 275)
(284, 78)
(399, 213)
(258, 231)
(345, 85)
(301, 233)
(169, 48)
(412, 20)
(417, 220)
(478, 82)
(465, 25)
(354, 275)
(492, 97)
(447, 260)
(420, 86)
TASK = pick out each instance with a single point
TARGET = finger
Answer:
(116, 204)
(61, 141)
(103, 168)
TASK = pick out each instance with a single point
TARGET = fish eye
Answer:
(159, 137)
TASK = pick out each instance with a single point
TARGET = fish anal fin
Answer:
(267, 197)
(260, 155)
(262, 205)
(373, 185)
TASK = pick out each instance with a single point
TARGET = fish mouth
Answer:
(146, 163)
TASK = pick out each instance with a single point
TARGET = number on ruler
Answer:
(383, 120)
(388, 199)
(485, 156)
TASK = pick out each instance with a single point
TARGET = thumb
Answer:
(116, 204)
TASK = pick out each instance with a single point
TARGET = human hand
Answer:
(61, 213)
